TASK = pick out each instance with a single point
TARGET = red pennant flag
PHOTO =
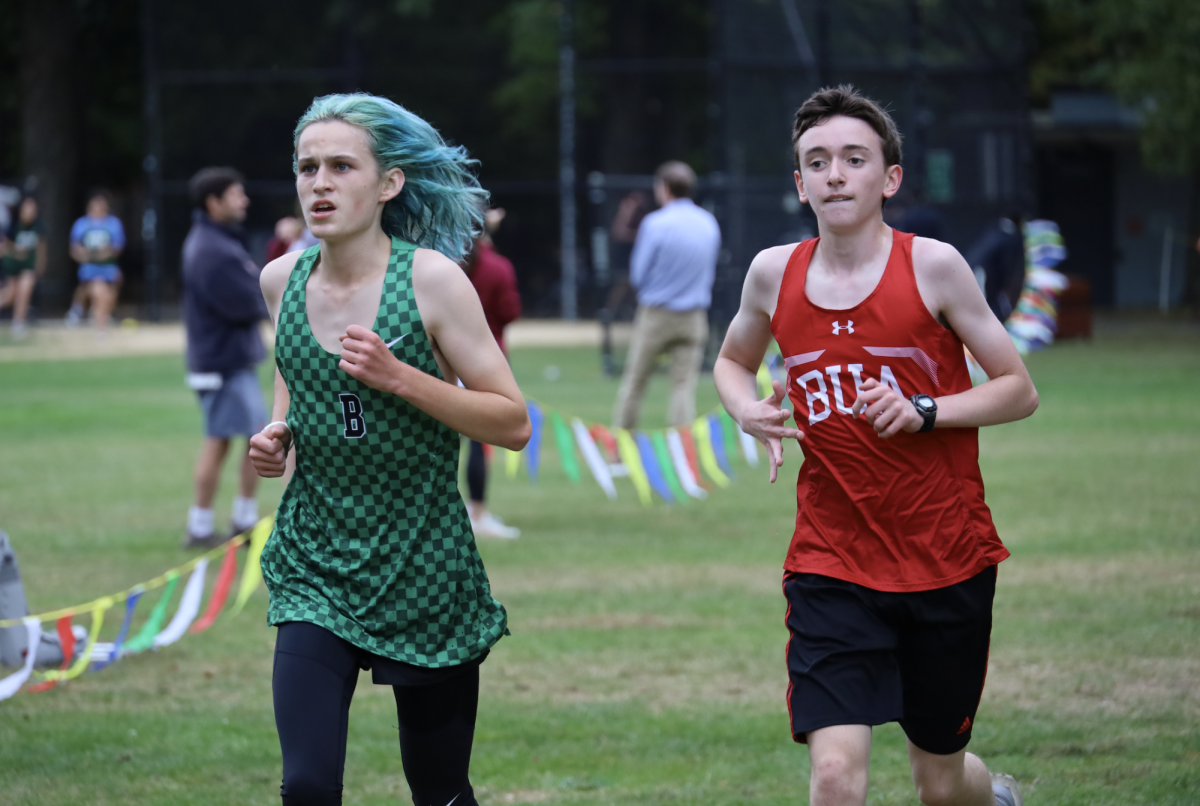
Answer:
(689, 448)
(605, 439)
(220, 588)
(66, 640)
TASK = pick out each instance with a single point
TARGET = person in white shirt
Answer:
(673, 264)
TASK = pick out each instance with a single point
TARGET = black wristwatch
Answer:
(926, 406)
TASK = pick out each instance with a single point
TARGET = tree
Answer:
(1147, 53)
(50, 124)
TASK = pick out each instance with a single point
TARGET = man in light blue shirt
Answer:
(672, 267)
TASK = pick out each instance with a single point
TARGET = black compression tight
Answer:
(313, 683)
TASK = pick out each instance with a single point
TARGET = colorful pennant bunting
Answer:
(595, 462)
(683, 468)
(566, 447)
(33, 637)
(668, 467)
(534, 449)
(653, 472)
(220, 590)
(628, 451)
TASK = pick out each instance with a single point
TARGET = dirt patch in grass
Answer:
(1124, 687)
(1136, 571)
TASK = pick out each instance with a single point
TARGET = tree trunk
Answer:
(50, 130)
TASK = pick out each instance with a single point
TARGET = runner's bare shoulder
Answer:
(766, 273)
(274, 277)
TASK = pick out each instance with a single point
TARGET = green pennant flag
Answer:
(566, 447)
(153, 626)
(732, 440)
(668, 467)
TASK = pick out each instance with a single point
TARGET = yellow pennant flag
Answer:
(85, 656)
(512, 463)
(252, 573)
(628, 451)
(764, 381)
(706, 456)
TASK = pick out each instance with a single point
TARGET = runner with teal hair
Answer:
(441, 206)
(372, 563)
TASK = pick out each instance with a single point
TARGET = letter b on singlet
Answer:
(352, 416)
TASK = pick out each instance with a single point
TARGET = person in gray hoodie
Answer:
(222, 307)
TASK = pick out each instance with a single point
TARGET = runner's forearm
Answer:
(736, 386)
(486, 417)
(1000, 400)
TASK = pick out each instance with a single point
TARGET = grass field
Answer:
(646, 660)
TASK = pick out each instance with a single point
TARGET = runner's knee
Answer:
(838, 778)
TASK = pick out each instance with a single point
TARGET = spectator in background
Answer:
(672, 268)
(496, 283)
(222, 307)
(97, 240)
(998, 259)
(631, 210)
(287, 231)
(22, 261)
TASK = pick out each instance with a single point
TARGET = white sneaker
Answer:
(491, 526)
(74, 316)
(19, 330)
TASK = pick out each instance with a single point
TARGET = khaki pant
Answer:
(656, 331)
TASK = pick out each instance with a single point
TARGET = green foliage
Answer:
(1146, 52)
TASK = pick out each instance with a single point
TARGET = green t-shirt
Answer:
(372, 540)
(22, 252)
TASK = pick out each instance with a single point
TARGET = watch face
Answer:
(925, 403)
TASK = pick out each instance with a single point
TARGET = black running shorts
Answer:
(859, 656)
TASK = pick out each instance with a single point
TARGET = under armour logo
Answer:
(848, 327)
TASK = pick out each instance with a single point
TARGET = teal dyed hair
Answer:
(441, 205)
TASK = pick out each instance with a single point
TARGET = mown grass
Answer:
(646, 661)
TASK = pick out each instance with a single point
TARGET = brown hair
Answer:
(679, 178)
(212, 182)
(844, 99)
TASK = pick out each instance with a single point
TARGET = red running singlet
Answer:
(899, 514)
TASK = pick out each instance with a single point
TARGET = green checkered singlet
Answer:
(372, 539)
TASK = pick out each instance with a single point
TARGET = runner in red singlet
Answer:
(892, 566)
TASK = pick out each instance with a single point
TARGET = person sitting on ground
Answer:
(97, 240)
(23, 262)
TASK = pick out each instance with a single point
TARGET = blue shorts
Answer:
(94, 271)
(236, 409)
